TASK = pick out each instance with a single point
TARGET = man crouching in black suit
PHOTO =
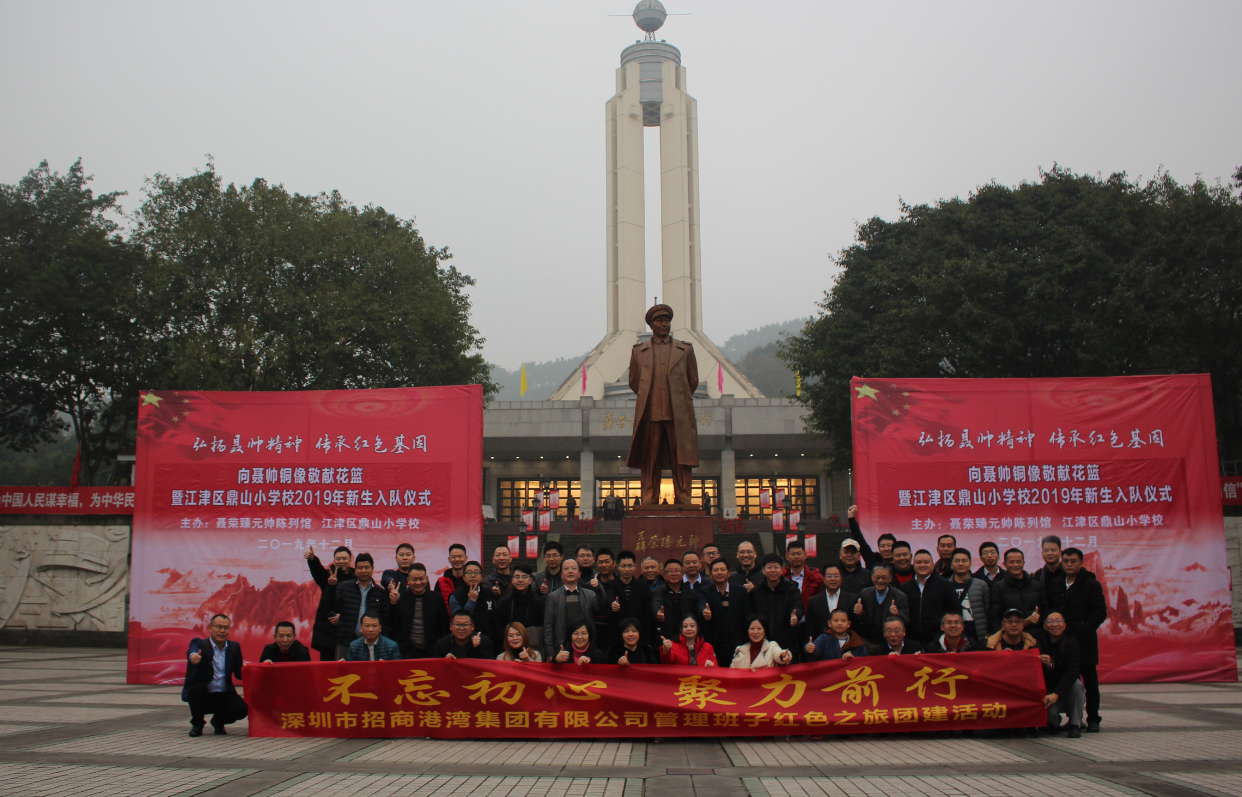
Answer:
(211, 665)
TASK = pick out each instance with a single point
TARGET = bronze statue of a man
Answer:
(664, 374)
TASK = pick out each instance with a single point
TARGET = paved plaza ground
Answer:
(69, 725)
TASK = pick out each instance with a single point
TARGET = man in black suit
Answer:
(212, 664)
(876, 604)
(820, 607)
(286, 648)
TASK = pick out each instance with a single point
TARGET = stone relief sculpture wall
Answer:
(64, 578)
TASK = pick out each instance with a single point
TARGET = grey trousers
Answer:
(1070, 704)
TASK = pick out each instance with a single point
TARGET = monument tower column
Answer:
(651, 92)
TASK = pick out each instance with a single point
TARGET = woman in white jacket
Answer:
(760, 652)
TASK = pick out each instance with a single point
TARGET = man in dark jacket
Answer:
(779, 603)
(211, 666)
(989, 571)
(495, 584)
(930, 598)
(401, 573)
(1079, 597)
(628, 599)
(1059, 654)
(420, 617)
(748, 569)
(1050, 550)
(819, 608)
(895, 642)
(671, 602)
(728, 606)
(286, 648)
(463, 642)
(1015, 590)
(809, 580)
(323, 636)
(945, 546)
(355, 598)
(853, 575)
(876, 604)
(548, 580)
(521, 604)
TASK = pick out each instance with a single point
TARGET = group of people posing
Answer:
(701, 610)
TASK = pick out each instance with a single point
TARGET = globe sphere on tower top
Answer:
(649, 15)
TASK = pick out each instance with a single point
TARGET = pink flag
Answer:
(720, 377)
(584, 377)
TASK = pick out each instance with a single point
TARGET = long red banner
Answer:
(460, 699)
(1123, 468)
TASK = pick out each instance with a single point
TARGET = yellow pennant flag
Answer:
(523, 390)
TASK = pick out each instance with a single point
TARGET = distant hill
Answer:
(541, 378)
(753, 351)
(738, 346)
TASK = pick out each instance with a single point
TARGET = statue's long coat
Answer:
(683, 379)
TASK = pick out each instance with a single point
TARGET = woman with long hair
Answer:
(517, 645)
(759, 652)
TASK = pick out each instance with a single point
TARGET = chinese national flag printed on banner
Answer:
(1124, 469)
(466, 699)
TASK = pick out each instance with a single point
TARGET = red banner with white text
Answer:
(1123, 468)
(468, 699)
(232, 488)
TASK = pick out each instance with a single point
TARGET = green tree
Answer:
(1073, 275)
(255, 288)
(67, 332)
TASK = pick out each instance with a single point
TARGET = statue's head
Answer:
(660, 319)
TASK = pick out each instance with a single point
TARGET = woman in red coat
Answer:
(689, 649)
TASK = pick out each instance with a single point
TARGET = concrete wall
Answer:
(64, 578)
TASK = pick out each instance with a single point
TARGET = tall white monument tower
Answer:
(651, 92)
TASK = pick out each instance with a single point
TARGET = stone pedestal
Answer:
(665, 532)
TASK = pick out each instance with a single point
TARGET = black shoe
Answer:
(1075, 732)
(1093, 727)
(220, 731)
(196, 731)
(1052, 729)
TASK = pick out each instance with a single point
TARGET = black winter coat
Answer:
(928, 605)
(1085, 610)
(435, 620)
(676, 606)
(1026, 595)
(870, 625)
(775, 607)
(348, 605)
(727, 628)
(323, 634)
(1066, 663)
(635, 600)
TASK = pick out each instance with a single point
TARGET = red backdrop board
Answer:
(232, 488)
(468, 699)
(1124, 468)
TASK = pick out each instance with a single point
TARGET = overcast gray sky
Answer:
(484, 121)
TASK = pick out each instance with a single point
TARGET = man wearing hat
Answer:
(853, 575)
(664, 375)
